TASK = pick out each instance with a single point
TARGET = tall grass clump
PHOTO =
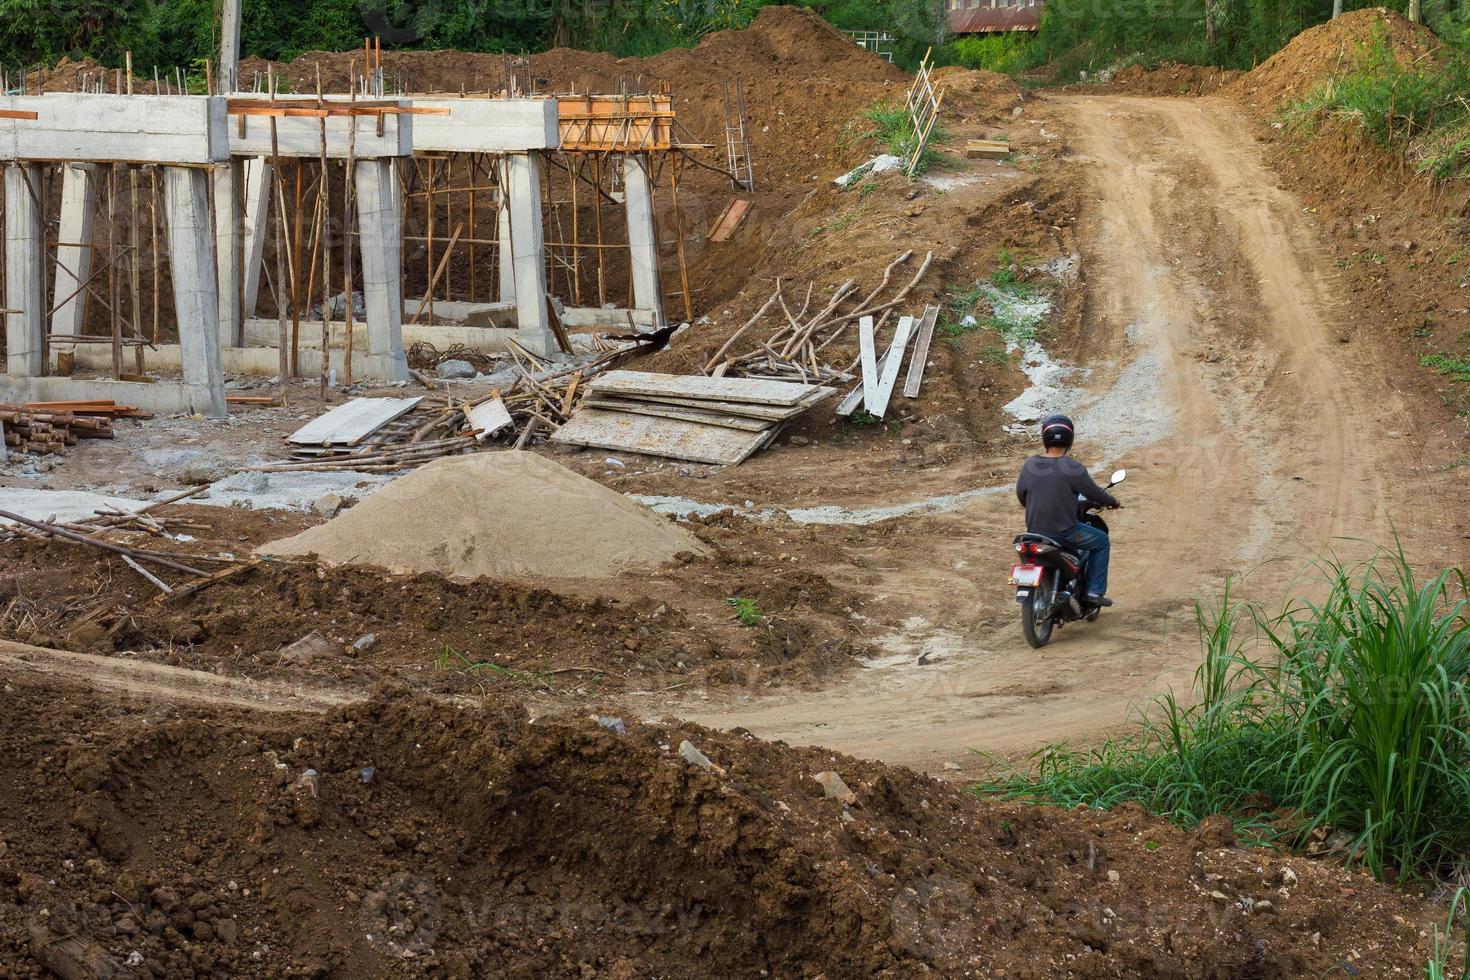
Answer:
(892, 128)
(1416, 107)
(1352, 722)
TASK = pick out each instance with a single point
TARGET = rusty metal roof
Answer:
(986, 19)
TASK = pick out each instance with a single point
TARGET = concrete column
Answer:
(73, 262)
(528, 254)
(25, 287)
(642, 240)
(507, 269)
(258, 178)
(227, 251)
(379, 239)
(196, 301)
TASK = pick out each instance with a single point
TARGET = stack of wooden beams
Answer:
(804, 340)
(30, 430)
(99, 407)
(701, 420)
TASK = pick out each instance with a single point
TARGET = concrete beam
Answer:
(380, 241)
(73, 262)
(196, 301)
(72, 127)
(523, 190)
(227, 250)
(301, 136)
(485, 125)
(259, 178)
(25, 287)
(642, 239)
(591, 317)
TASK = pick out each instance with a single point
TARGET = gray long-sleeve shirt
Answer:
(1048, 489)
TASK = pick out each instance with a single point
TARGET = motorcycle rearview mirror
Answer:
(1119, 477)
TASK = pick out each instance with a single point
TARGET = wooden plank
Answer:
(300, 137)
(770, 413)
(987, 149)
(729, 219)
(868, 351)
(349, 424)
(489, 417)
(701, 388)
(891, 365)
(920, 360)
(849, 404)
(684, 414)
(690, 441)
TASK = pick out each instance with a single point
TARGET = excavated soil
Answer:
(1329, 50)
(398, 837)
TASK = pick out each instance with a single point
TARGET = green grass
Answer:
(1448, 364)
(747, 613)
(1004, 293)
(1006, 53)
(1439, 965)
(1355, 721)
(889, 125)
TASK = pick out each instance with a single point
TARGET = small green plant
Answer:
(452, 659)
(747, 613)
(840, 221)
(1439, 966)
(893, 129)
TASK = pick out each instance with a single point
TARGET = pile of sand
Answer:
(495, 515)
(1331, 50)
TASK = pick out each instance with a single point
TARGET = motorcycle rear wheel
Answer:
(1036, 620)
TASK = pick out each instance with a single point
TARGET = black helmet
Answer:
(1056, 431)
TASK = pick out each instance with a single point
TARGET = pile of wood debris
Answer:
(795, 351)
(101, 530)
(702, 420)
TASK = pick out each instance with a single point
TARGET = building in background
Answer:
(992, 16)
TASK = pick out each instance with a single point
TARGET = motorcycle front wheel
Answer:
(1036, 621)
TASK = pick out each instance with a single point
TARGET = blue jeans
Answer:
(1096, 549)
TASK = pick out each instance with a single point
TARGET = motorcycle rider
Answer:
(1048, 488)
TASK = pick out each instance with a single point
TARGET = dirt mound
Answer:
(1329, 50)
(495, 515)
(398, 837)
(1170, 79)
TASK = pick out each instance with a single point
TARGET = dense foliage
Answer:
(180, 32)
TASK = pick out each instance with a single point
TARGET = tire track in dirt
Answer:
(1195, 258)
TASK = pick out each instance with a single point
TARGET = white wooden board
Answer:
(769, 413)
(850, 404)
(486, 125)
(868, 351)
(676, 439)
(165, 129)
(878, 403)
(920, 360)
(675, 412)
(350, 423)
(701, 388)
(489, 417)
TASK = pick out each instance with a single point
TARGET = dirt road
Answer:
(1224, 374)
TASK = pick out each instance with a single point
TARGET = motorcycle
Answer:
(1050, 577)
